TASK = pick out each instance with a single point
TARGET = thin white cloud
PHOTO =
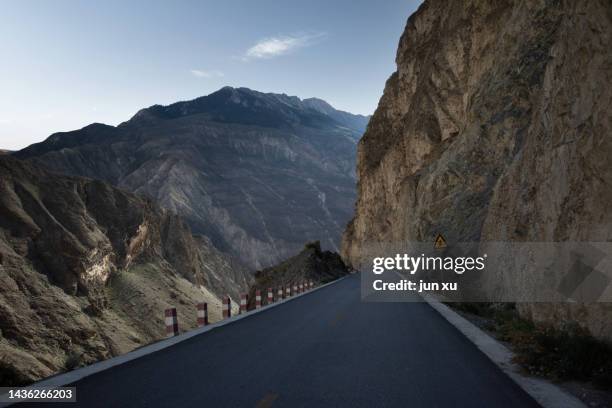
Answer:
(275, 46)
(199, 73)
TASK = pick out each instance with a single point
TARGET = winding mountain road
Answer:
(326, 348)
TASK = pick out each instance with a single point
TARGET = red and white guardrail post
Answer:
(202, 314)
(171, 318)
(270, 296)
(257, 299)
(243, 303)
(227, 307)
(171, 322)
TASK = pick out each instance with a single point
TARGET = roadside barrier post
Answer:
(171, 322)
(243, 303)
(227, 307)
(270, 296)
(257, 299)
(202, 314)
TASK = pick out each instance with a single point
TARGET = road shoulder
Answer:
(544, 392)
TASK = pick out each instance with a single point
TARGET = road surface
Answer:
(324, 349)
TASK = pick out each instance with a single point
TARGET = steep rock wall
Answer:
(496, 126)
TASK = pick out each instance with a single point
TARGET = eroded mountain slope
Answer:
(86, 271)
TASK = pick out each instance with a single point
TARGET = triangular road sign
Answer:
(440, 242)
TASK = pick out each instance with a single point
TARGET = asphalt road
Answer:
(325, 349)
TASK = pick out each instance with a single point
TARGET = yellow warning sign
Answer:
(440, 242)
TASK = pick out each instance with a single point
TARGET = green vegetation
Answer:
(316, 245)
(571, 353)
(73, 360)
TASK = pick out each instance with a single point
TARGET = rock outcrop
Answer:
(496, 126)
(260, 174)
(86, 271)
(311, 264)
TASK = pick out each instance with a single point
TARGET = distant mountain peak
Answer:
(250, 107)
(318, 104)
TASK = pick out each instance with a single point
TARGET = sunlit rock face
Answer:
(260, 174)
(496, 126)
(86, 271)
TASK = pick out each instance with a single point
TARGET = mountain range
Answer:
(258, 173)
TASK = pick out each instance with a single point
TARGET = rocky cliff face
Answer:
(86, 271)
(260, 174)
(495, 127)
(311, 264)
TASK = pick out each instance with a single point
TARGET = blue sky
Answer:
(66, 64)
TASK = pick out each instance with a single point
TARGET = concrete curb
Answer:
(61, 380)
(544, 392)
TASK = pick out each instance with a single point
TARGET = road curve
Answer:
(324, 349)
